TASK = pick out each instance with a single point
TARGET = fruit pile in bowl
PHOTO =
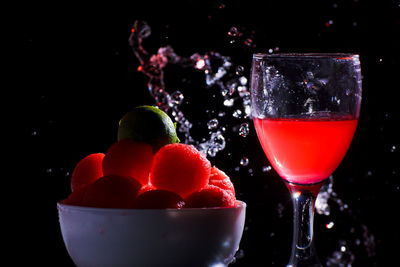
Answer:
(150, 201)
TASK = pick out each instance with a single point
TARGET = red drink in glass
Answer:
(306, 150)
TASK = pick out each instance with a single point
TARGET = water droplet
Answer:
(34, 133)
(177, 97)
(328, 23)
(233, 32)
(221, 114)
(212, 124)
(215, 144)
(229, 102)
(244, 129)
(200, 64)
(270, 51)
(266, 168)
(142, 28)
(247, 111)
(248, 42)
(329, 225)
(243, 92)
(239, 70)
(393, 149)
(237, 113)
(335, 99)
(231, 87)
(244, 161)
(243, 80)
(224, 91)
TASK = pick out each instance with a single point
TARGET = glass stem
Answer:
(303, 250)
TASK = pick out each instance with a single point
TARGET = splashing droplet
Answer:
(177, 97)
(233, 32)
(237, 113)
(212, 124)
(330, 225)
(266, 168)
(243, 80)
(214, 145)
(248, 42)
(229, 102)
(244, 129)
(239, 70)
(244, 161)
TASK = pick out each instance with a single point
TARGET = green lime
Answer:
(149, 125)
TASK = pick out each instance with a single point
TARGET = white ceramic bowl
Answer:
(161, 237)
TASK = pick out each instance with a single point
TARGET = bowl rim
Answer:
(63, 206)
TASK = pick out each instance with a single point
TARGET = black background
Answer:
(76, 76)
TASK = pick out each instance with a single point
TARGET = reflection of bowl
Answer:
(167, 237)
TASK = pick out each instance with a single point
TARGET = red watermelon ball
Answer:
(180, 168)
(112, 191)
(146, 187)
(222, 180)
(76, 197)
(159, 199)
(88, 170)
(130, 159)
(210, 196)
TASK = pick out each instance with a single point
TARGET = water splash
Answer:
(328, 199)
(218, 72)
(326, 192)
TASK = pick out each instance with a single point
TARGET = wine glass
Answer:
(305, 109)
